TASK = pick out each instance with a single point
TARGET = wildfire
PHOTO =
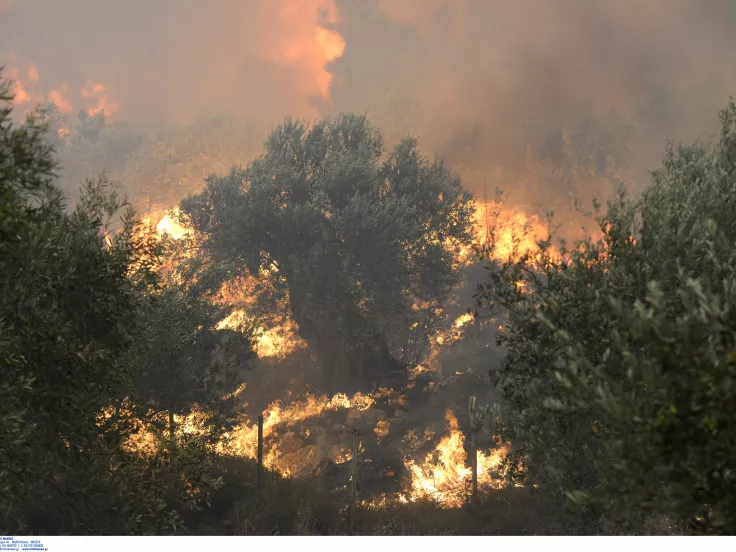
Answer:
(513, 232)
(443, 475)
(276, 342)
(21, 95)
(99, 93)
(244, 438)
(381, 429)
(29, 91)
(57, 96)
(167, 225)
(456, 331)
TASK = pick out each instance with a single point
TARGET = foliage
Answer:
(74, 284)
(620, 363)
(68, 290)
(351, 237)
(181, 359)
(157, 166)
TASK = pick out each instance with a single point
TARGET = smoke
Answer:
(491, 79)
(481, 82)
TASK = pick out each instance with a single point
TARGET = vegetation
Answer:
(75, 297)
(617, 383)
(352, 239)
(618, 377)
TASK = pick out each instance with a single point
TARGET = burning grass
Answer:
(443, 475)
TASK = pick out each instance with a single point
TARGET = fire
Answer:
(344, 456)
(58, 97)
(515, 232)
(169, 226)
(21, 95)
(455, 332)
(381, 429)
(276, 342)
(98, 92)
(29, 90)
(244, 438)
(443, 475)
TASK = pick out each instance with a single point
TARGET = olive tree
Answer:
(618, 377)
(356, 238)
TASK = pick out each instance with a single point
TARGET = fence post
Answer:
(353, 482)
(473, 448)
(259, 473)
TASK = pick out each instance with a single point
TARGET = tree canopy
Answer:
(80, 291)
(620, 363)
(357, 238)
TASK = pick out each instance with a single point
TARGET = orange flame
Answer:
(443, 475)
(98, 92)
(167, 225)
(58, 97)
(244, 437)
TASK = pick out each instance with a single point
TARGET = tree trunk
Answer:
(344, 368)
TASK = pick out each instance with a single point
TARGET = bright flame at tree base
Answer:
(444, 476)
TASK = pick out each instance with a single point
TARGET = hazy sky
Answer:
(483, 78)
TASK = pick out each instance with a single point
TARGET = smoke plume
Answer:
(481, 82)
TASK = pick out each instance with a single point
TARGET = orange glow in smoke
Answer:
(58, 97)
(300, 40)
(99, 93)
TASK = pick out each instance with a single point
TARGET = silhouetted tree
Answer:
(355, 237)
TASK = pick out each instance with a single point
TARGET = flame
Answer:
(58, 97)
(515, 232)
(513, 225)
(167, 225)
(29, 90)
(276, 342)
(381, 429)
(19, 90)
(455, 332)
(244, 438)
(98, 92)
(443, 475)
(344, 456)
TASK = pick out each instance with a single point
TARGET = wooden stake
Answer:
(354, 482)
(473, 448)
(259, 473)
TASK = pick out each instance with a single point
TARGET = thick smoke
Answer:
(482, 82)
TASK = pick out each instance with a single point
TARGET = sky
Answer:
(479, 81)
